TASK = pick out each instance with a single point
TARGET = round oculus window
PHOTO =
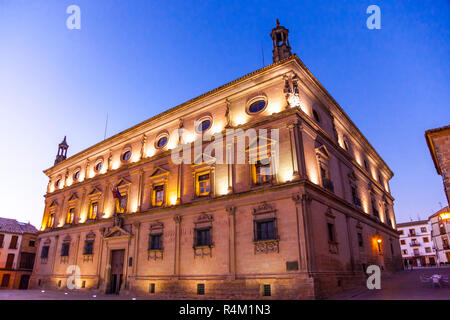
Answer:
(257, 106)
(204, 125)
(98, 166)
(162, 142)
(126, 156)
(76, 175)
(58, 182)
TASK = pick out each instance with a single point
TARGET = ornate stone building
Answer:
(134, 220)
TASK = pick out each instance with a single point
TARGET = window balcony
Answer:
(414, 244)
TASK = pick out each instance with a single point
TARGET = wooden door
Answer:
(24, 279)
(117, 261)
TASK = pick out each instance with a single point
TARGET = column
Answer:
(231, 242)
(176, 267)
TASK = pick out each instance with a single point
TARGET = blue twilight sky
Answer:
(134, 59)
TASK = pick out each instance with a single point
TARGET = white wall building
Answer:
(416, 243)
(440, 228)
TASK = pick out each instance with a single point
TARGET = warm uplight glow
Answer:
(287, 176)
(445, 215)
(379, 240)
(136, 157)
(69, 181)
(274, 108)
(107, 214)
(313, 175)
(115, 164)
(188, 137)
(217, 127)
(134, 207)
(239, 119)
(150, 152)
(173, 199)
(91, 174)
(52, 188)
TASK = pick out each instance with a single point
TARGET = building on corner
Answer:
(303, 219)
(18, 242)
(416, 243)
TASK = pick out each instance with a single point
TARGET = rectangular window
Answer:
(5, 280)
(2, 237)
(402, 242)
(416, 252)
(51, 220)
(200, 288)
(326, 182)
(423, 229)
(26, 260)
(31, 243)
(70, 215)
(13, 243)
(262, 171)
(9, 261)
(88, 247)
(360, 239)
(93, 210)
(401, 232)
(203, 184)
(152, 288)
(65, 249)
(155, 242)
(330, 228)
(267, 292)
(158, 195)
(427, 249)
(203, 237)
(412, 232)
(356, 200)
(374, 209)
(265, 230)
(44, 252)
(425, 239)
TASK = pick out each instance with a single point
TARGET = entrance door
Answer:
(117, 259)
(24, 281)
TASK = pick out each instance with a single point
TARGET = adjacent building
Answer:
(18, 242)
(417, 244)
(301, 217)
(438, 141)
(440, 232)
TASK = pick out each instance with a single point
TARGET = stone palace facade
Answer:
(132, 220)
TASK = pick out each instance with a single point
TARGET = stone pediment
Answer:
(73, 197)
(54, 203)
(159, 171)
(323, 151)
(260, 142)
(117, 232)
(95, 191)
(123, 182)
(204, 158)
